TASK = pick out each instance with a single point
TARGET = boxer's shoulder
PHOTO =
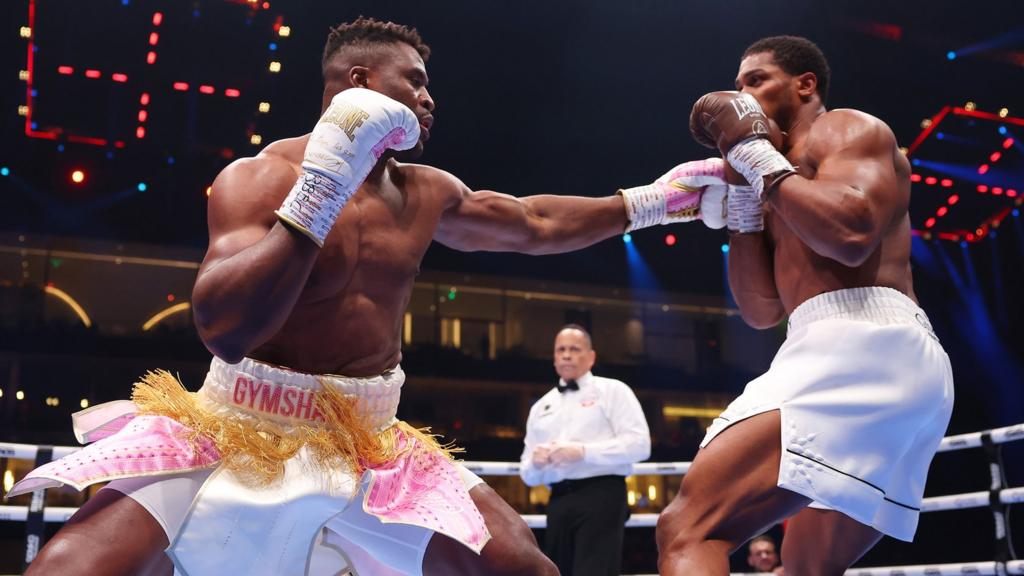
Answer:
(287, 148)
(441, 183)
(281, 159)
(844, 129)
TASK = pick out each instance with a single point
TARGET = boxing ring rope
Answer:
(997, 498)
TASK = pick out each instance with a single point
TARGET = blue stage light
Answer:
(141, 186)
(951, 55)
(725, 248)
(627, 238)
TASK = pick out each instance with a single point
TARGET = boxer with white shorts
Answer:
(838, 434)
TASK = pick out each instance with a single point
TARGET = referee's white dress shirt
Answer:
(604, 415)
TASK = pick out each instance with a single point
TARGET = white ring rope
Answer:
(972, 568)
(949, 444)
(934, 504)
(966, 568)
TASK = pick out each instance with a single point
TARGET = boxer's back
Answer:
(348, 317)
(800, 272)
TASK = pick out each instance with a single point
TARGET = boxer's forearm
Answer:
(242, 301)
(567, 223)
(752, 280)
(548, 224)
(832, 218)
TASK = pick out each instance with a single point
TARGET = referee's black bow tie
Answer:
(569, 385)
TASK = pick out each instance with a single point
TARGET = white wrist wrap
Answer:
(313, 205)
(645, 206)
(756, 158)
(746, 210)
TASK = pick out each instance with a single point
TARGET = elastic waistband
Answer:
(876, 304)
(287, 397)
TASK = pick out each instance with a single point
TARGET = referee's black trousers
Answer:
(586, 521)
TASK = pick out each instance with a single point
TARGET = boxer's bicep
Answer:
(858, 154)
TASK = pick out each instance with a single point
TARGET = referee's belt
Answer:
(567, 486)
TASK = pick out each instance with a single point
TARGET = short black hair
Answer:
(795, 55)
(368, 32)
(586, 334)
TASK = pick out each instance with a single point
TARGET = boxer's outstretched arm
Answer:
(544, 224)
(843, 212)
(255, 267)
(752, 280)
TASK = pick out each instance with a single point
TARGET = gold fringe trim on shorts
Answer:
(256, 450)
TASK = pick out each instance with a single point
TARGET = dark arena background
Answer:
(116, 115)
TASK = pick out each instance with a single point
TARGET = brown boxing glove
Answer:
(724, 119)
(734, 123)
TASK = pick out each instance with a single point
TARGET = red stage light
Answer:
(997, 191)
(946, 182)
(995, 156)
(140, 132)
(92, 74)
(181, 86)
(153, 38)
(931, 180)
(982, 188)
(170, 297)
(1008, 142)
(983, 168)
(206, 89)
(1011, 193)
(670, 239)
(915, 177)
(144, 99)
(65, 70)
(157, 18)
(118, 77)
(929, 223)
(143, 115)
(970, 237)
(941, 211)
(953, 199)
(232, 93)
(151, 57)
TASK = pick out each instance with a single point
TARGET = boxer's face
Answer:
(398, 72)
(775, 89)
(402, 75)
(573, 355)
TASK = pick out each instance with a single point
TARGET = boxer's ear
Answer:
(359, 76)
(806, 85)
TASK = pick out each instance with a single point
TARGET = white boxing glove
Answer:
(679, 196)
(347, 141)
(745, 209)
